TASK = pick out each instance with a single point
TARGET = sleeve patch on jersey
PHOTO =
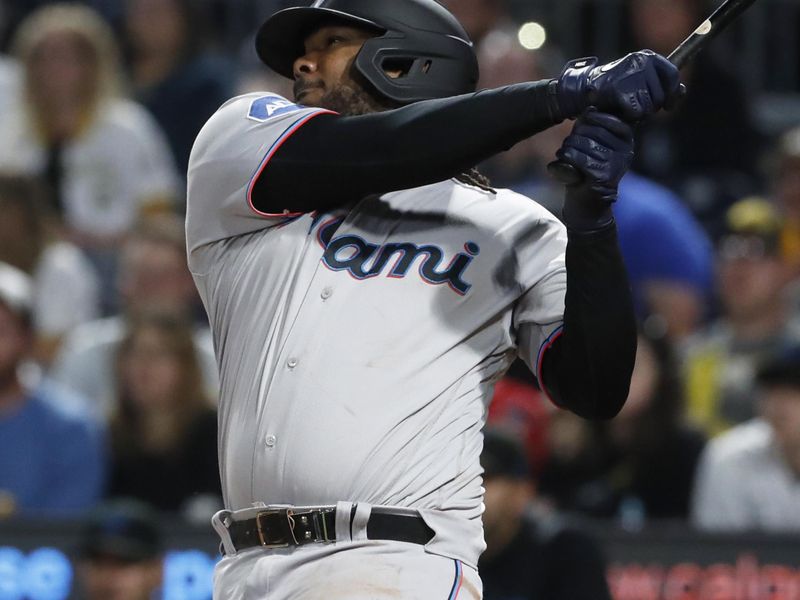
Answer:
(266, 107)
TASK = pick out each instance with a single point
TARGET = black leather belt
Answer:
(283, 527)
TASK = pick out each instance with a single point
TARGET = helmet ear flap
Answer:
(445, 67)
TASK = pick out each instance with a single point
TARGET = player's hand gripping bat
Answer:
(708, 30)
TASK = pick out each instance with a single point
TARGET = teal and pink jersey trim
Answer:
(291, 130)
(459, 579)
(546, 345)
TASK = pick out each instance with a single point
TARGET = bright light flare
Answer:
(532, 36)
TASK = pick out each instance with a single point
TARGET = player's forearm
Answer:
(588, 369)
(332, 160)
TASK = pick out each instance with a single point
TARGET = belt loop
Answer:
(359, 525)
(219, 522)
(343, 521)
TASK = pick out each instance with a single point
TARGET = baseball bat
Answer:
(727, 12)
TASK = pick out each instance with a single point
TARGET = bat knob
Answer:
(564, 172)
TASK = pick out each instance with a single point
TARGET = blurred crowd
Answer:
(107, 373)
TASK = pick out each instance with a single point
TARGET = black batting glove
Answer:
(633, 87)
(600, 148)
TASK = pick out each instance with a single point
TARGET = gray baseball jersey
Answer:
(358, 348)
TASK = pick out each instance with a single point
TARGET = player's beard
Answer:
(351, 97)
(348, 101)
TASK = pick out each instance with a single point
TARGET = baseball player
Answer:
(366, 289)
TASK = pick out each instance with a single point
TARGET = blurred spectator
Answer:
(749, 477)
(478, 17)
(153, 276)
(530, 556)
(756, 318)
(51, 459)
(520, 408)
(666, 251)
(786, 190)
(9, 83)
(503, 61)
(163, 433)
(120, 553)
(65, 290)
(104, 158)
(16, 11)
(668, 256)
(637, 466)
(172, 75)
(711, 169)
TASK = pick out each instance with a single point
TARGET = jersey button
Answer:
(326, 293)
(270, 441)
(291, 363)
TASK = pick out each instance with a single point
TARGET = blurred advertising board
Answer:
(667, 562)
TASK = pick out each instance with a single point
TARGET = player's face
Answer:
(329, 55)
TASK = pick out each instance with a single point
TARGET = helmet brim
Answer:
(279, 41)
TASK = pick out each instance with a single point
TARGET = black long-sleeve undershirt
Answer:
(588, 369)
(332, 159)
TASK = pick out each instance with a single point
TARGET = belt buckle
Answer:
(282, 527)
(275, 528)
(309, 526)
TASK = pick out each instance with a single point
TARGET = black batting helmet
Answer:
(419, 37)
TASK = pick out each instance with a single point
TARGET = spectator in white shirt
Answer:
(105, 159)
(10, 81)
(65, 289)
(749, 477)
(153, 276)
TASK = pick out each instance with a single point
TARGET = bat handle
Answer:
(569, 175)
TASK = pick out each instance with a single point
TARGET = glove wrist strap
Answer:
(572, 89)
(586, 210)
